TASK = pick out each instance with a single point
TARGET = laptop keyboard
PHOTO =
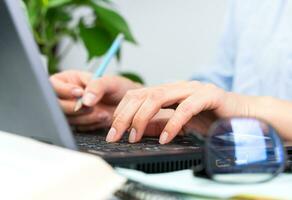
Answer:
(96, 142)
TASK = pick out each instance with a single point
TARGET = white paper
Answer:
(34, 170)
(184, 182)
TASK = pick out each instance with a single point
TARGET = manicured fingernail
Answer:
(111, 135)
(132, 136)
(89, 99)
(77, 92)
(163, 138)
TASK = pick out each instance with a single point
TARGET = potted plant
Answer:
(52, 20)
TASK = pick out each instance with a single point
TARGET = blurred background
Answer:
(174, 38)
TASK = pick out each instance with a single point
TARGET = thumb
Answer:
(94, 91)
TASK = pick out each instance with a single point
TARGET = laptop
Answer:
(29, 107)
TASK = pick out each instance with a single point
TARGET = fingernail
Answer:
(77, 92)
(89, 99)
(132, 136)
(111, 135)
(163, 138)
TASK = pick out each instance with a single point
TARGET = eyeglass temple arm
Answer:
(200, 171)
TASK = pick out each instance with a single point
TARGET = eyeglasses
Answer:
(241, 151)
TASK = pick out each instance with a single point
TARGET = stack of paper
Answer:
(33, 170)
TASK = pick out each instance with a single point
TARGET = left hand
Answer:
(195, 100)
(104, 95)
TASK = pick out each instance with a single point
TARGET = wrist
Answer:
(261, 107)
(248, 106)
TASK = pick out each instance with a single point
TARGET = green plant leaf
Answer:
(33, 10)
(132, 76)
(59, 22)
(96, 40)
(58, 15)
(56, 3)
(114, 22)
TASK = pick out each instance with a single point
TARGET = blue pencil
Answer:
(104, 64)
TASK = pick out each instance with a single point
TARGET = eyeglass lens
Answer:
(243, 150)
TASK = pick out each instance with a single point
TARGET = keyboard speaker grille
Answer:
(166, 166)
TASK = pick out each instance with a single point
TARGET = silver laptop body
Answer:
(28, 105)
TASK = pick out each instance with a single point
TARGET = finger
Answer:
(101, 117)
(66, 90)
(156, 99)
(135, 94)
(97, 88)
(148, 109)
(124, 102)
(123, 121)
(83, 78)
(69, 105)
(184, 112)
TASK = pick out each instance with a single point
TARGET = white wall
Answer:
(176, 38)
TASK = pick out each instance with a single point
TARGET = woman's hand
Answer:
(195, 101)
(100, 97)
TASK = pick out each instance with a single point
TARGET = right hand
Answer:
(100, 97)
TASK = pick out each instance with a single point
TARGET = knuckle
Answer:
(115, 115)
(186, 108)
(172, 124)
(133, 94)
(105, 80)
(210, 86)
(156, 94)
(214, 91)
(138, 119)
(120, 121)
(129, 93)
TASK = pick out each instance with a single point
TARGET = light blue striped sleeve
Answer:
(221, 72)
